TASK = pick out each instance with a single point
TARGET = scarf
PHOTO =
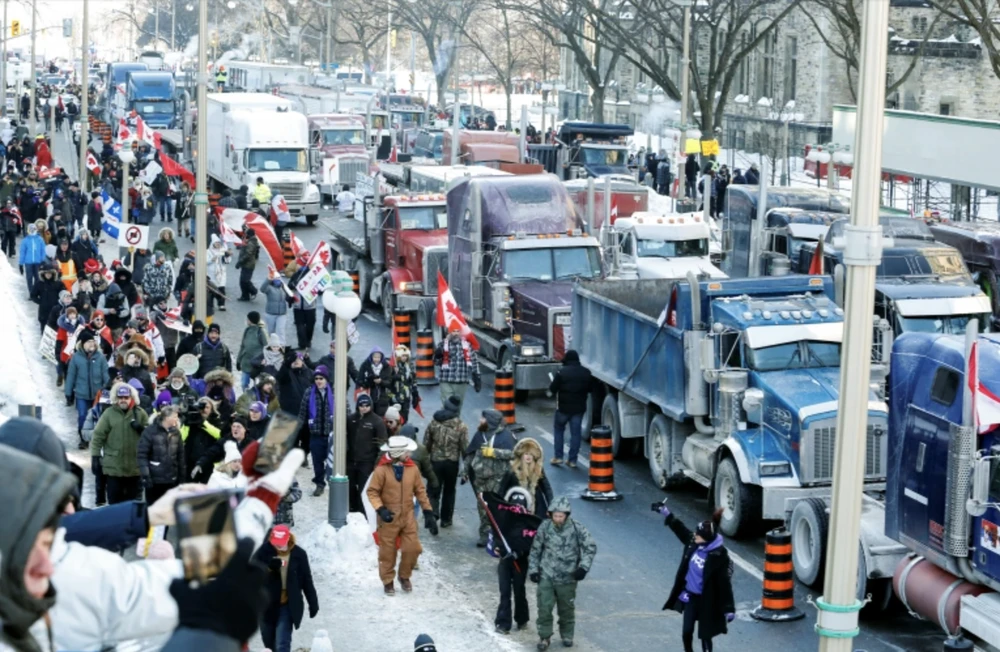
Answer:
(377, 368)
(312, 403)
(273, 358)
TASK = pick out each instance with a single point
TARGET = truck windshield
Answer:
(945, 324)
(794, 355)
(548, 264)
(423, 218)
(672, 248)
(343, 137)
(154, 106)
(407, 118)
(943, 265)
(276, 160)
(600, 156)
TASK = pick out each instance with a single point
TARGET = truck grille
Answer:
(816, 453)
(290, 191)
(435, 260)
(350, 168)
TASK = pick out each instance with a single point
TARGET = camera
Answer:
(655, 507)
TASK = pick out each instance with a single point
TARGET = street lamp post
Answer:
(685, 99)
(3, 67)
(342, 302)
(201, 193)
(173, 24)
(84, 97)
(31, 64)
(837, 615)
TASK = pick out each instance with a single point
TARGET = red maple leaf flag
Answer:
(279, 210)
(449, 314)
(124, 133)
(816, 264)
(92, 164)
(322, 255)
(299, 250)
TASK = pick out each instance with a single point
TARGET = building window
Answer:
(791, 66)
(765, 77)
(742, 85)
(946, 108)
(919, 25)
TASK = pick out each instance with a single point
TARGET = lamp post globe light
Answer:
(340, 299)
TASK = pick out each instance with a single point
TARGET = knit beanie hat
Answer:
(258, 406)
(424, 643)
(253, 317)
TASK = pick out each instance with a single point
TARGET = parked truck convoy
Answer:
(259, 135)
(340, 139)
(152, 95)
(647, 245)
(515, 248)
(586, 149)
(114, 84)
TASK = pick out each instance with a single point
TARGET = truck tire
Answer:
(611, 419)
(365, 274)
(388, 302)
(660, 452)
(740, 502)
(311, 220)
(809, 525)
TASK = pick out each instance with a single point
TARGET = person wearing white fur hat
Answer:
(227, 473)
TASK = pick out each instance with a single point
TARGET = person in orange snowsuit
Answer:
(390, 490)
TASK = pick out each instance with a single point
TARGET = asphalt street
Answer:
(619, 603)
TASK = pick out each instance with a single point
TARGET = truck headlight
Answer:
(411, 286)
(532, 351)
(769, 469)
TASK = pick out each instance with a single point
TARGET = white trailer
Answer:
(256, 76)
(253, 135)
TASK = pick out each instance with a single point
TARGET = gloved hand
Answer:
(136, 425)
(313, 611)
(21, 268)
(477, 384)
(535, 577)
(730, 618)
(431, 523)
(384, 514)
(488, 451)
(463, 479)
(512, 556)
(274, 564)
(579, 574)
(161, 360)
(232, 604)
(95, 462)
(195, 471)
(664, 511)
(69, 400)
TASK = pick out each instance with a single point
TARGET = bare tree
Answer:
(438, 23)
(982, 16)
(363, 26)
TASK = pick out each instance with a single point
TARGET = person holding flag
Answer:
(455, 356)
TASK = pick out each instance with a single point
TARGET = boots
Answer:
(405, 583)
(390, 589)
(543, 644)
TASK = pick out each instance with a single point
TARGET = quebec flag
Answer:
(112, 214)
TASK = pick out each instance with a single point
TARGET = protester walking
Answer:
(246, 262)
(366, 434)
(561, 556)
(289, 579)
(86, 376)
(457, 365)
(316, 412)
(115, 443)
(703, 588)
(572, 385)
(446, 440)
(487, 460)
(160, 454)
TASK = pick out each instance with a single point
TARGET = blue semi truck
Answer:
(943, 485)
(730, 383)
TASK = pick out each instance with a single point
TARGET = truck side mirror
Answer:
(977, 504)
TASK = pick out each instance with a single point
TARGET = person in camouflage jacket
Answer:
(561, 556)
(446, 440)
(487, 460)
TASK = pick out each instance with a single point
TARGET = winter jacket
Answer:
(403, 388)
(82, 251)
(420, 456)
(251, 345)
(456, 361)
(95, 215)
(161, 456)
(189, 342)
(198, 437)
(446, 438)
(168, 247)
(572, 384)
(217, 451)
(32, 250)
(212, 356)
(124, 279)
(115, 306)
(292, 384)
(254, 394)
(298, 583)
(248, 254)
(275, 298)
(216, 258)
(330, 362)
(117, 439)
(487, 472)
(752, 177)
(717, 588)
(315, 411)
(86, 374)
(542, 497)
(379, 391)
(156, 280)
(137, 261)
(286, 514)
(46, 295)
(365, 437)
(384, 490)
(558, 550)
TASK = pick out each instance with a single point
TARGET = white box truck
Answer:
(253, 135)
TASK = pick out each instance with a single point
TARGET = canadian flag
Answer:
(146, 133)
(299, 250)
(229, 235)
(92, 164)
(449, 314)
(985, 403)
(322, 255)
(614, 213)
(124, 133)
(279, 210)
(267, 237)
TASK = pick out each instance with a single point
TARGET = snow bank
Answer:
(356, 612)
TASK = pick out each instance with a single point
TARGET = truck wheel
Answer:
(311, 219)
(810, 525)
(388, 305)
(660, 453)
(741, 503)
(611, 419)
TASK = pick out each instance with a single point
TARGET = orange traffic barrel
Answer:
(286, 251)
(401, 329)
(601, 485)
(425, 358)
(503, 398)
(778, 603)
(356, 283)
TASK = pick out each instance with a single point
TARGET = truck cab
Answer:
(515, 250)
(648, 245)
(114, 87)
(152, 95)
(586, 149)
(979, 243)
(340, 138)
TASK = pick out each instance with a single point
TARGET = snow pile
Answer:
(356, 612)
(16, 388)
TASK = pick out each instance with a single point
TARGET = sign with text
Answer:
(314, 283)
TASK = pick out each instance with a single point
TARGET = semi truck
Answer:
(943, 483)
(340, 139)
(114, 85)
(255, 135)
(647, 245)
(585, 149)
(515, 248)
(625, 198)
(258, 76)
(979, 244)
(731, 383)
(152, 95)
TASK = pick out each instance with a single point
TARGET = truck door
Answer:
(986, 534)
(390, 229)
